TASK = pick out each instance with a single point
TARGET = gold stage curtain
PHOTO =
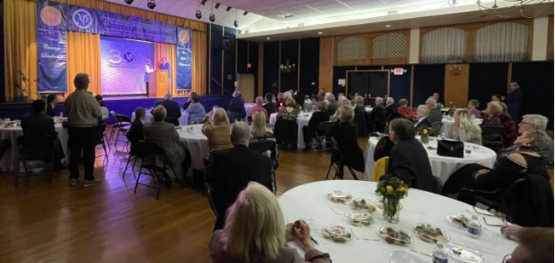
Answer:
(170, 52)
(200, 54)
(20, 48)
(83, 55)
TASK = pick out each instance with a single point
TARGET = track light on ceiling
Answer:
(245, 13)
(228, 8)
(198, 14)
(217, 5)
(203, 2)
(212, 17)
(128, 2)
(151, 4)
(236, 23)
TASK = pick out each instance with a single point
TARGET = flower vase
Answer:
(391, 210)
(425, 138)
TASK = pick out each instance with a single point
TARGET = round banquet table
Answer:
(196, 143)
(309, 202)
(10, 160)
(302, 121)
(442, 166)
(448, 122)
(248, 107)
(183, 120)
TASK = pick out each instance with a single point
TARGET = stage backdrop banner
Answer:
(184, 58)
(54, 19)
(123, 65)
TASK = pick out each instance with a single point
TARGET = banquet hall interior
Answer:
(276, 131)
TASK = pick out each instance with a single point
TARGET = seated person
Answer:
(255, 231)
(494, 116)
(389, 107)
(385, 145)
(472, 108)
(269, 106)
(322, 115)
(333, 105)
(422, 117)
(258, 127)
(377, 116)
(38, 124)
(51, 102)
(236, 109)
(190, 100)
(166, 137)
(534, 244)
(314, 103)
(103, 110)
(538, 122)
(216, 129)
(434, 115)
(408, 160)
(259, 107)
(172, 109)
(196, 110)
(360, 116)
(525, 161)
(234, 168)
(136, 132)
(405, 110)
(289, 112)
(465, 129)
(345, 134)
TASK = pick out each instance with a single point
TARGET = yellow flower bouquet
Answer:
(392, 191)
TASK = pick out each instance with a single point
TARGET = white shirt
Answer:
(149, 69)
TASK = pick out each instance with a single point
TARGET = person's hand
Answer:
(289, 234)
(301, 231)
(509, 231)
(480, 172)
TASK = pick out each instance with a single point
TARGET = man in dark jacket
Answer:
(269, 106)
(234, 168)
(172, 109)
(322, 115)
(408, 160)
(513, 100)
(236, 107)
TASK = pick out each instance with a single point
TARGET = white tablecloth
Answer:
(309, 202)
(442, 166)
(196, 143)
(302, 121)
(183, 120)
(448, 122)
(10, 160)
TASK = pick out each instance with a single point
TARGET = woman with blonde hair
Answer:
(256, 232)
(258, 127)
(494, 116)
(216, 129)
(289, 112)
(465, 129)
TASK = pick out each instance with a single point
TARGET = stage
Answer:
(121, 105)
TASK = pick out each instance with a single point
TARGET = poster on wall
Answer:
(51, 49)
(123, 64)
(184, 59)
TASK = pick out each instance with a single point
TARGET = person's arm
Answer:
(95, 107)
(381, 149)
(300, 231)
(507, 170)
(399, 168)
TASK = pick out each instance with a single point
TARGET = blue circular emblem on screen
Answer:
(129, 57)
(82, 18)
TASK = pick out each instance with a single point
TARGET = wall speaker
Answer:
(225, 42)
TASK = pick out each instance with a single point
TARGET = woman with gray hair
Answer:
(195, 110)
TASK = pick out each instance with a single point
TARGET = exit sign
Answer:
(398, 71)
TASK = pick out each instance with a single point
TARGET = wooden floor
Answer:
(45, 220)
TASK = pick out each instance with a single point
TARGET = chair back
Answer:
(323, 128)
(137, 149)
(153, 150)
(114, 115)
(492, 137)
(99, 136)
(380, 168)
(436, 127)
(33, 148)
(286, 131)
(122, 118)
(264, 146)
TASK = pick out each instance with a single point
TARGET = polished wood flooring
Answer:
(45, 220)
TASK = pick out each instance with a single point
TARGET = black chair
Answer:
(286, 133)
(136, 153)
(116, 125)
(5, 145)
(436, 127)
(321, 136)
(492, 137)
(336, 161)
(438, 185)
(263, 147)
(173, 121)
(209, 172)
(100, 135)
(153, 151)
(123, 128)
(360, 121)
(35, 148)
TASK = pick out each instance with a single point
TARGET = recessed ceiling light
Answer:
(388, 26)
(319, 33)
(268, 38)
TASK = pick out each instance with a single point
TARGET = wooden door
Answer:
(456, 84)
(246, 86)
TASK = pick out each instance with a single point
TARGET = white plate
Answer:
(404, 257)
(339, 197)
(464, 254)
(356, 218)
(432, 239)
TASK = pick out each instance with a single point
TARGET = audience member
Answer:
(314, 104)
(196, 110)
(343, 101)
(321, 95)
(136, 132)
(289, 112)
(494, 116)
(216, 129)
(345, 134)
(259, 107)
(535, 122)
(377, 116)
(255, 231)
(496, 97)
(83, 112)
(405, 110)
(422, 117)
(361, 116)
(164, 134)
(51, 101)
(465, 129)
(408, 160)
(385, 145)
(269, 106)
(513, 100)
(322, 115)
(234, 168)
(534, 244)
(236, 109)
(280, 101)
(472, 108)
(172, 110)
(435, 113)
(437, 99)
(38, 124)
(389, 107)
(258, 127)
(103, 110)
(190, 100)
(333, 105)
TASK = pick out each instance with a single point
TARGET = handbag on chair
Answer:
(450, 148)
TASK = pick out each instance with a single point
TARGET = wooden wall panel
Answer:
(326, 63)
(456, 84)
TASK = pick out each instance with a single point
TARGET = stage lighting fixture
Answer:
(228, 8)
(128, 2)
(235, 23)
(212, 18)
(217, 5)
(198, 14)
(245, 13)
(203, 2)
(151, 4)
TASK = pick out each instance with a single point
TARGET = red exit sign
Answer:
(398, 71)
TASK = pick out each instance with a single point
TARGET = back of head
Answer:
(51, 97)
(539, 138)
(168, 97)
(476, 103)
(466, 121)
(390, 101)
(424, 108)
(159, 113)
(195, 97)
(259, 124)
(345, 102)
(403, 128)
(280, 96)
(495, 108)
(255, 225)
(287, 95)
(269, 97)
(346, 113)
(359, 100)
(378, 101)
(330, 97)
(98, 97)
(81, 81)
(219, 117)
(539, 121)
(322, 106)
(431, 103)
(236, 93)
(259, 100)
(290, 103)
(240, 133)
(140, 112)
(38, 106)
(403, 102)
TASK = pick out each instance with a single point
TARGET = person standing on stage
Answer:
(165, 65)
(83, 112)
(149, 68)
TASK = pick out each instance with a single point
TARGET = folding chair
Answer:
(36, 148)
(336, 160)
(263, 147)
(153, 151)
